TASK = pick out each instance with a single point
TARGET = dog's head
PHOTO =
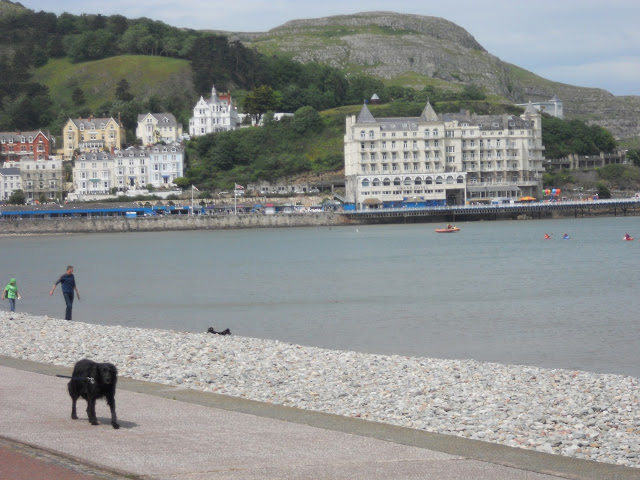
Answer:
(108, 373)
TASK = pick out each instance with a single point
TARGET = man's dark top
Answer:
(68, 283)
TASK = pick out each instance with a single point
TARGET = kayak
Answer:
(627, 238)
(447, 230)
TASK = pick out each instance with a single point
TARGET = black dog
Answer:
(91, 381)
(224, 332)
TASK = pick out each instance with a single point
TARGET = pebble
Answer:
(563, 412)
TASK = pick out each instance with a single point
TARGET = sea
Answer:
(494, 291)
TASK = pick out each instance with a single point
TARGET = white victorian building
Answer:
(158, 127)
(134, 168)
(444, 159)
(216, 114)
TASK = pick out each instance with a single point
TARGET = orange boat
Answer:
(449, 229)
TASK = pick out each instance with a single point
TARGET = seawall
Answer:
(176, 222)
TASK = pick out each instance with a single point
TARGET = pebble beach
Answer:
(564, 412)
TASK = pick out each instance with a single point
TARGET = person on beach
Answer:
(11, 292)
(68, 282)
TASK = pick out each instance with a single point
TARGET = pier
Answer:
(577, 209)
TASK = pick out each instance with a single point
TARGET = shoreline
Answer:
(571, 413)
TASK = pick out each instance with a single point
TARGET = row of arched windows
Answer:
(386, 182)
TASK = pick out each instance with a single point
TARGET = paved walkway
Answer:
(175, 434)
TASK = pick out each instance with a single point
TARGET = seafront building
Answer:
(134, 168)
(434, 159)
(215, 114)
(81, 135)
(158, 127)
(42, 180)
(16, 145)
(9, 182)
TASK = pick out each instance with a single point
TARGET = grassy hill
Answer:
(7, 7)
(147, 75)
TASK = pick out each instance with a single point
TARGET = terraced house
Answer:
(16, 145)
(441, 159)
(92, 135)
(99, 173)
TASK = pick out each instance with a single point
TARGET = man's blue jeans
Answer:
(68, 298)
(12, 305)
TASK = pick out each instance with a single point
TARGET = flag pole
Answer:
(235, 199)
(192, 200)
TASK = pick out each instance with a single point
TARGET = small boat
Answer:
(566, 236)
(448, 229)
(547, 236)
(627, 237)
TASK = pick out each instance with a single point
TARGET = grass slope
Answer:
(98, 79)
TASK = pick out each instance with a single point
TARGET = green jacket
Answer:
(11, 290)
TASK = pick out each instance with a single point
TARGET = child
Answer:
(11, 292)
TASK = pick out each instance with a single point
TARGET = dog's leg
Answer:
(74, 416)
(91, 411)
(74, 399)
(111, 401)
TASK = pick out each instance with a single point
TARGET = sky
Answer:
(584, 43)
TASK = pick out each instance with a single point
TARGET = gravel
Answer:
(572, 413)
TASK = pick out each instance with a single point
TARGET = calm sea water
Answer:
(496, 291)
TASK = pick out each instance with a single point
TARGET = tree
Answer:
(261, 100)
(182, 182)
(77, 96)
(18, 197)
(123, 91)
(307, 120)
(603, 190)
(634, 156)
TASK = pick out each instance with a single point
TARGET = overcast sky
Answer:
(586, 43)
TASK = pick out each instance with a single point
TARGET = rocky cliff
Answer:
(420, 49)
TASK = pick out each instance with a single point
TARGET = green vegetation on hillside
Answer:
(282, 148)
(98, 79)
(563, 137)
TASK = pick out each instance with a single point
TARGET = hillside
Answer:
(414, 50)
(147, 75)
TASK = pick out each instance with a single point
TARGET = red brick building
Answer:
(16, 145)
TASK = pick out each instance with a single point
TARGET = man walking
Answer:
(68, 282)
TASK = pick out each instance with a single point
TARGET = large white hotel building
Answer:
(449, 159)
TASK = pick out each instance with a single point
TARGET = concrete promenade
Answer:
(178, 434)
